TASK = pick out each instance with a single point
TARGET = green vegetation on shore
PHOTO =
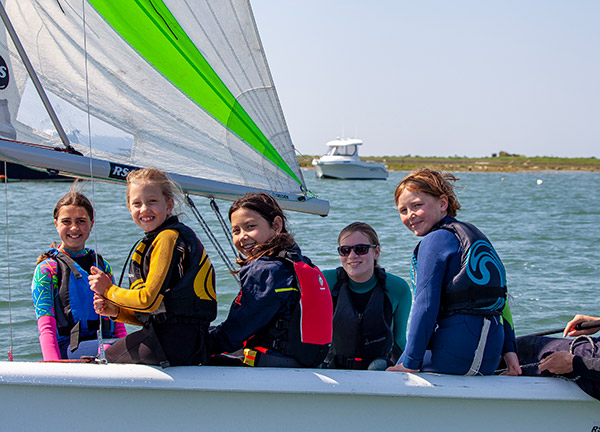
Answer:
(504, 162)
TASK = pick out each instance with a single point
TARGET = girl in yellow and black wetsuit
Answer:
(172, 282)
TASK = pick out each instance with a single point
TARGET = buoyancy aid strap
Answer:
(158, 349)
(478, 358)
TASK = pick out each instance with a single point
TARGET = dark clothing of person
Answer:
(586, 364)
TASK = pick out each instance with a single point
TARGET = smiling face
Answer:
(249, 229)
(420, 211)
(148, 205)
(359, 268)
(73, 224)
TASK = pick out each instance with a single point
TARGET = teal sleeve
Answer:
(398, 291)
(330, 277)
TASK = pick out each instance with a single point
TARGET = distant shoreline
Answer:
(502, 163)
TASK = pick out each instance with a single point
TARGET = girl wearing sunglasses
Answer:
(371, 307)
(460, 322)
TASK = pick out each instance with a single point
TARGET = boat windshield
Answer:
(343, 151)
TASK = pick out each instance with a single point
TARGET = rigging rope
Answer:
(10, 323)
(101, 354)
(213, 239)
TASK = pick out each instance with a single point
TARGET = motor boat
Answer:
(342, 162)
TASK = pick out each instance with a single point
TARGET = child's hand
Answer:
(103, 307)
(99, 281)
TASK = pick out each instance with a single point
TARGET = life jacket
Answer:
(74, 304)
(303, 327)
(360, 338)
(479, 287)
(189, 288)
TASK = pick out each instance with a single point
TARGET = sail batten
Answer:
(182, 86)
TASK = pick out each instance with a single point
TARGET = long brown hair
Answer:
(434, 183)
(75, 198)
(266, 206)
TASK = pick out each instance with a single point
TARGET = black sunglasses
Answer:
(359, 249)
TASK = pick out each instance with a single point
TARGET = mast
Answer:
(34, 77)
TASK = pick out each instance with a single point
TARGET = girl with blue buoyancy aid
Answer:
(67, 322)
(172, 282)
(371, 306)
(266, 318)
(460, 322)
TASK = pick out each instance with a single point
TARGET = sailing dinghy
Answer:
(94, 88)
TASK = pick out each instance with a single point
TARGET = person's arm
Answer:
(509, 349)
(41, 289)
(266, 286)
(146, 294)
(435, 251)
(570, 327)
(400, 297)
(587, 367)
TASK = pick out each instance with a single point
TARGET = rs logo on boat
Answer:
(120, 172)
(4, 77)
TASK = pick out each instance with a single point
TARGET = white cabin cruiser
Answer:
(342, 162)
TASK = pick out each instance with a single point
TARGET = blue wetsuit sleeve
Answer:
(266, 286)
(400, 297)
(435, 251)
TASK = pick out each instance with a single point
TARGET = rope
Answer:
(10, 322)
(101, 354)
(213, 239)
(224, 226)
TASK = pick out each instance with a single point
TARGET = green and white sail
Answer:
(183, 86)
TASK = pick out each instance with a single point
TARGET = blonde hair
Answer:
(168, 187)
(434, 183)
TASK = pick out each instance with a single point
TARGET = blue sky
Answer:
(438, 77)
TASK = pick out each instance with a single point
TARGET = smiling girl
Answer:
(67, 322)
(265, 317)
(371, 306)
(460, 321)
(172, 282)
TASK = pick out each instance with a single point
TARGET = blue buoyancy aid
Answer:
(479, 287)
(74, 303)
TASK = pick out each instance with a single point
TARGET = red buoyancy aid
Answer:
(316, 306)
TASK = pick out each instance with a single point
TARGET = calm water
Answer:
(546, 234)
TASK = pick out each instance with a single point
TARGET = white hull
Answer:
(43, 396)
(350, 170)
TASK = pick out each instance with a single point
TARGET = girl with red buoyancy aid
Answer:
(172, 282)
(460, 321)
(67, 322)
(264, 318)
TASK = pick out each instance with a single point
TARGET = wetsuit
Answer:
(443, 341)
(379, 308)
(586, 363)
(171, 294)
(50, 306)
(260, 317)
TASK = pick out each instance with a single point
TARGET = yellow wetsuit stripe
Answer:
(277, 290)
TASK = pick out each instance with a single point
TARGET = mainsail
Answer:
(183, 86)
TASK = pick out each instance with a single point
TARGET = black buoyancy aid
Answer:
(360, 338)
(73, 305)
(479, 287)
(189, 287)
(303, 328)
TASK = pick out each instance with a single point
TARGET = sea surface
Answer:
(544, 226)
